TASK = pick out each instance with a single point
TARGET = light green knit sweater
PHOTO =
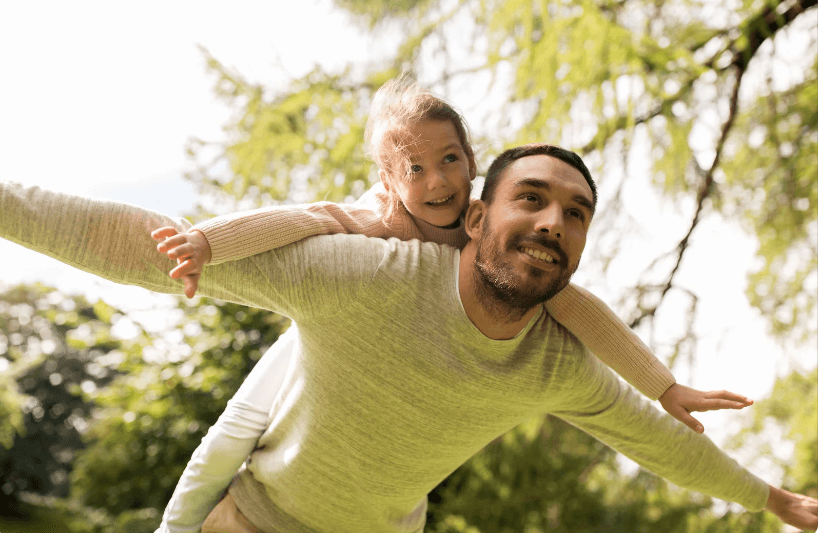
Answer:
(393, 386)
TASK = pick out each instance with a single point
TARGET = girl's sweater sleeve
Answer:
(248, 233)
(610, 339)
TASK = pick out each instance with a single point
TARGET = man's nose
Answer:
(551, 221)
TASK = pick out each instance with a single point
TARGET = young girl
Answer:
(426, 163)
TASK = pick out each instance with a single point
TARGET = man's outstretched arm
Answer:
(615, 414)
(112, 240)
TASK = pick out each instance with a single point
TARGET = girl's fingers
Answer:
(689, 420)
(715, 404)
(172, 242)
(181, 251)
(185, 267)
(163, 233)
(191, 285)
(726, 395)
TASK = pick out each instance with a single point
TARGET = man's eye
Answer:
(576, 213)
(530, 197)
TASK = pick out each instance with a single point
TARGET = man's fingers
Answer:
(793, 509)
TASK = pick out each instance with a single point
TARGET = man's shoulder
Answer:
(391, 244)
(359, 252)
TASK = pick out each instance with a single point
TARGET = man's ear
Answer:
(385, 179)
(474, 218)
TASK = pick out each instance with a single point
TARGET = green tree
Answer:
(693, 91)
(700, 89)
(697, 88)
(173, 388)
(53, 347)
(790, 411)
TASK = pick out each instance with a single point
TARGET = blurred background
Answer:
(698, 120)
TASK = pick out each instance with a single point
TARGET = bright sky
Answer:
(99, 98)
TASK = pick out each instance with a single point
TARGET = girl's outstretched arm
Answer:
(246, 233)
(613, 342)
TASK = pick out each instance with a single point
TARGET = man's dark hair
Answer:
(504, 160)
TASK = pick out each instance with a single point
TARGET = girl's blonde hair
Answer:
(397, 104)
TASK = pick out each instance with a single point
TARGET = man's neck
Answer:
(492, 318)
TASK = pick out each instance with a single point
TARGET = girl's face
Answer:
(437, 189)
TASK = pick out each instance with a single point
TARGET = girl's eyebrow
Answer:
(450, 146)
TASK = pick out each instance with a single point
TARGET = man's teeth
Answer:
(539, 255)
(443, 200)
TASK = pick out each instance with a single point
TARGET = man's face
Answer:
(534, 231)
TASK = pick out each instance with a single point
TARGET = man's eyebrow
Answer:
(541, 184)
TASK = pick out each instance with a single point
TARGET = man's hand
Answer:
(680, 400)
(793, 509)
(191, 251)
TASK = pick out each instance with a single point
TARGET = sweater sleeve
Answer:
(248, 233)
(610, 339)
(112, 240)
(599, 404)
(228, 443)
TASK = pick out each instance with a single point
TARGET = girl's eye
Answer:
(449, 158)
(415, 169)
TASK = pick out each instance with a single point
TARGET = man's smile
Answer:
(540, 255)
(541, 252)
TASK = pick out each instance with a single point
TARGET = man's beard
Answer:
(501, 291)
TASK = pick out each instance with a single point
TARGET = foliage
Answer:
(547, 476)
(303, 145)
(54, 346)
(792, 408)
(100, 427)
(698, 92)
(109, 423)
(173, 389)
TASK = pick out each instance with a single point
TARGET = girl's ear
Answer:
(472, 168)
(385, 179)
(474, 218)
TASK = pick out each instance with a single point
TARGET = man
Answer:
(411, 356)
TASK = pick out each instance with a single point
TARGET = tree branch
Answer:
(764, 25)
(705, 190)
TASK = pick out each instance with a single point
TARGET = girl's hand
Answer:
(191, 251)
(680, 400)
